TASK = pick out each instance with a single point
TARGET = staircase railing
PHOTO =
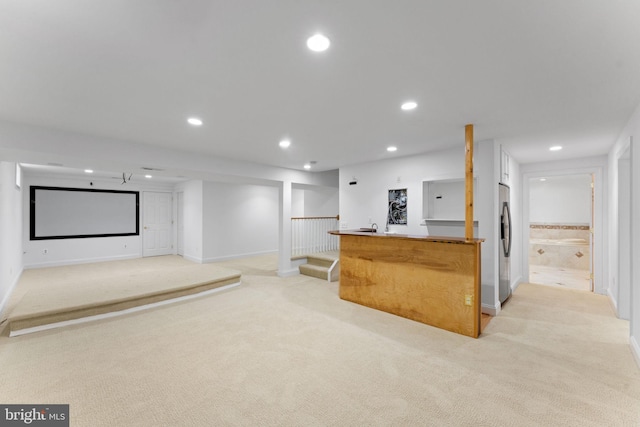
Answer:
(311, 234)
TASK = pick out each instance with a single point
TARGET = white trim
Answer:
(635, 349)
(237, 256)
(192, 259)
(288, 273)
(118, 313)
(612, 302)
(515, 283)
(297, 262)
(80, 261)
(491, 310)
(333, 265)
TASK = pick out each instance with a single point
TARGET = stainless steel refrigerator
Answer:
(505, 243)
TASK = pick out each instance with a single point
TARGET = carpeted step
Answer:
(117, 294)
(312, 270)
(321, 260)
(318, 265)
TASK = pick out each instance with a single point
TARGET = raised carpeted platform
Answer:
(52, 297)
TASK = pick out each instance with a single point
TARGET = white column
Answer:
(285, 268)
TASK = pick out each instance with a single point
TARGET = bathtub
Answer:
(563, 253)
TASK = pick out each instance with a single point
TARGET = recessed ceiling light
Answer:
(285, 143)
(307, 166)
(148, 176)
(88, 170)
(392, 148)
(543, 179)
(194, 121)
(555, 148)
(318, 43)
(409, 105)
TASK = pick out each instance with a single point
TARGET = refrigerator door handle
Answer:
(506, 240)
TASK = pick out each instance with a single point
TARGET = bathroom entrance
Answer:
(561, 231)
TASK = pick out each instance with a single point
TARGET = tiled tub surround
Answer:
(560, 245)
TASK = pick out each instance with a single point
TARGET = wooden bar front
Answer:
(434, 280)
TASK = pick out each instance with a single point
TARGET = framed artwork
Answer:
(397, 209)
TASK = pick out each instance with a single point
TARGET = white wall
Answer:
(321, 201)
(621, 287)
(561, 200)
(620, 272)
(517, 254)
(297, 202)
(445, 199)
(308, 200)
(487, 212)
(42, 253)
(192, 196)
(366, 202)
(221, 221)
(10, 231)
(239, 220)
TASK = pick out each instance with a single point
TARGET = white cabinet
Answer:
(504, 166)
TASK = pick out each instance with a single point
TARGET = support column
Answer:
(285, 267)
(468, 222)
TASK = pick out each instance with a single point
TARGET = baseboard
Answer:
(237, 256)
(491, 310)
(298, 262)
(288, 273)
(193, 259)
(612, 301)
(80, 261)
(635, 349)
(515, 284)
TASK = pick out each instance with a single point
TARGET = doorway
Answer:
(561, 225)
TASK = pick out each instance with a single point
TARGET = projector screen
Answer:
(71, 213)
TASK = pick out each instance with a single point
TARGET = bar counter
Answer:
(430, 279)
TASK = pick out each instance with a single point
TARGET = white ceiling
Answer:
(530, 74)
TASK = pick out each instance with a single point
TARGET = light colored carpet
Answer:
(557, 276)
(288, 352)
(57, 294)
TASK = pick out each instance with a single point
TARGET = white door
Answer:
(156, 230)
